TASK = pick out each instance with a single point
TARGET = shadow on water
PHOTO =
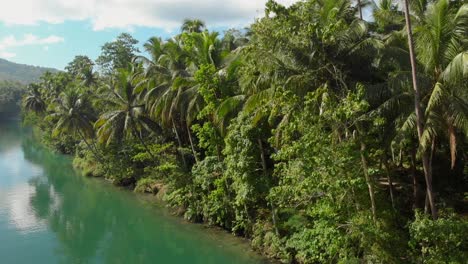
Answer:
(94, 222)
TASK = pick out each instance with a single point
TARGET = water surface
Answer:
(49, 214)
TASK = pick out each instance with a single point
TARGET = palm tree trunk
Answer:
(262, 156)
(90, 148)
(195, 155)
(431, 156)
(359, 8)
(370, 184)
(400, 159)
(389, 180)
(415, 179)
(453, 145)
(140, 138)
(179, 141)
(419, 114)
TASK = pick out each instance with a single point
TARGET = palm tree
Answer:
(167, 78)
(74, 117)
(88, 77)
(193, 25)
(387, 16)
(127, 115)
(441, 46)
(419, 113)
(33, 100)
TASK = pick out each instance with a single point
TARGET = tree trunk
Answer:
(415, 179)
(262, 156)
(400, 159)
(195, 155)
(218, 150)
(431, 156)
(370, 184)
(359, 8)
(389, 180)
(180, 143)
(140, 137)
(453, 145)
(419, 114)
(90, 148)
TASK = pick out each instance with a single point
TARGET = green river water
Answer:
(50, 214)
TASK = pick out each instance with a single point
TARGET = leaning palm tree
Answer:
(193, 25)
(127, 115)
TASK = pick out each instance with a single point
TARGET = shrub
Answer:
(444, 240)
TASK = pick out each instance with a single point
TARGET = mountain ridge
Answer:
(23, 73)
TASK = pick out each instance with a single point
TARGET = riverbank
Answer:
(50, 214)
(154, 192)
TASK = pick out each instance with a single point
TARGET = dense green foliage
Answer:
(299, 132)
(25, 74)
(10, 96)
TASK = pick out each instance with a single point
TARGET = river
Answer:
(50, 214)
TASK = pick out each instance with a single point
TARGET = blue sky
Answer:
(76, 38)
(51, 32)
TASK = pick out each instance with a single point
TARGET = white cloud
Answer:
(166, 14)
(11, 41)
(7, 55)
(28, 40)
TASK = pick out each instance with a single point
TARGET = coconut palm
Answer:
(441, 47)
(193, 25)
(387, 16)
(168, 79)
(74, 116)
(33, 100)
(127, 115)
(419, 113)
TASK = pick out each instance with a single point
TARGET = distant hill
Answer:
(10, 98)
(10, 71)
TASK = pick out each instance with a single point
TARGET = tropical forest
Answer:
(326, 131)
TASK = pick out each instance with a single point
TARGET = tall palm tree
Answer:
(127, 115)
(419, 112)
(170, 78)
(441, 45)
(193, 25)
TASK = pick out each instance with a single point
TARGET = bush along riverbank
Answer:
(299, 132)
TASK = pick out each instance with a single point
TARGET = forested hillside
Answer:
(320, 136)
(13, 80)
(10, 97)
(20, 72)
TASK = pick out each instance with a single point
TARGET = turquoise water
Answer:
(49, 214)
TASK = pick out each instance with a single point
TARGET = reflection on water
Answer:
(48, 214)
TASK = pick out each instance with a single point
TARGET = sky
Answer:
(51, 33)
